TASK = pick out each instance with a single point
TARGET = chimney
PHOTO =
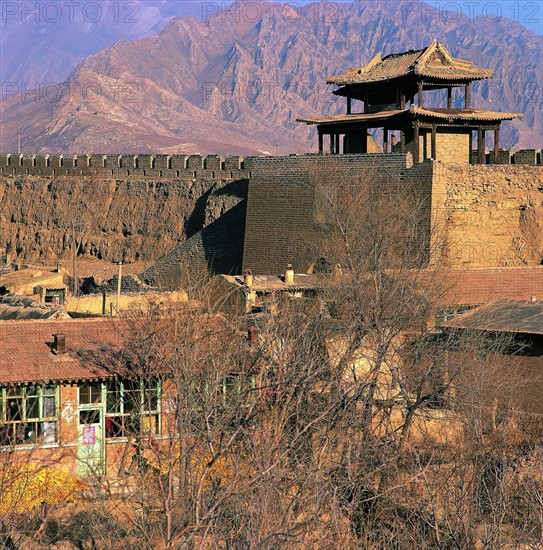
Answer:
(248, 277)
(59, 344)
(289, 275)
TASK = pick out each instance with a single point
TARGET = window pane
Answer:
(32, 407)
(113, 402)
(90, 393)
(32, 390)
(131, 401)
(48, 407)
(150, 400)
(96, 393)
(48, 390)
(29, 432)
(47, 432)
(14, 409)
(89, 417)
(115, 426)
(14, 392)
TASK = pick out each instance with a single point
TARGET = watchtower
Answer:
(387, 88)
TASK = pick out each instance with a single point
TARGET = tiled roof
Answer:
(503, 316)
(270, 283)
(448, 115)
(352, 118)
(26, 356)
(463, 114)
(481, 285)
(23, 307)
(435, 61)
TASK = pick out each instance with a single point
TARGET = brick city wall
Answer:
(284, 206)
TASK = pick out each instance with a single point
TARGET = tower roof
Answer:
(434, 61)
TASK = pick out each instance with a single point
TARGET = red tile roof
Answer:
(26, 355)
(481, 285)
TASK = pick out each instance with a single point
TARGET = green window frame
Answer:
(132, 407)
(29, 415)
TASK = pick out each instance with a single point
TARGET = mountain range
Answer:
(234, 80)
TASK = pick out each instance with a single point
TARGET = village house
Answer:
(517, 326)
(250, 293)
(63, 401)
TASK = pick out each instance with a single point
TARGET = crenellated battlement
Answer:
(531, 157)
(184, 167)
(141, 166)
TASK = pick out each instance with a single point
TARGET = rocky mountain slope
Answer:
(42, 41)
(236, 82)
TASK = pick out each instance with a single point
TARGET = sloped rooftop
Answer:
(434, 61)
(503, 316)
(26, 350)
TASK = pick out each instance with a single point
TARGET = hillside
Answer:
(236, 82)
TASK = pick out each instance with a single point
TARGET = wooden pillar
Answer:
(364, 139)
(420, 94)
(449, 97)
(434, 141)
(467, 96)
(402, 102)
(348, 105)
(416, 144)
(332, 137)
(402, 141)
(385, 140)
(481, 146)
(320, 143)
(337, 143)
(496, 144)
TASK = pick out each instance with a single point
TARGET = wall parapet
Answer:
(532, 157)
(117, 165)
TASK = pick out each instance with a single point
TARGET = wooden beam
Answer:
(402, 101)
(385, 140)
(402, 141)
(320, 143)
(337, 143)
(348, 105)
(420, 94)
(332, 136)
(449, 97)
(496, 145)
(434, 141)
(467, 96)
(416, 144)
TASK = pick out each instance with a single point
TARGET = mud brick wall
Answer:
(490, 215)
(125, 218)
